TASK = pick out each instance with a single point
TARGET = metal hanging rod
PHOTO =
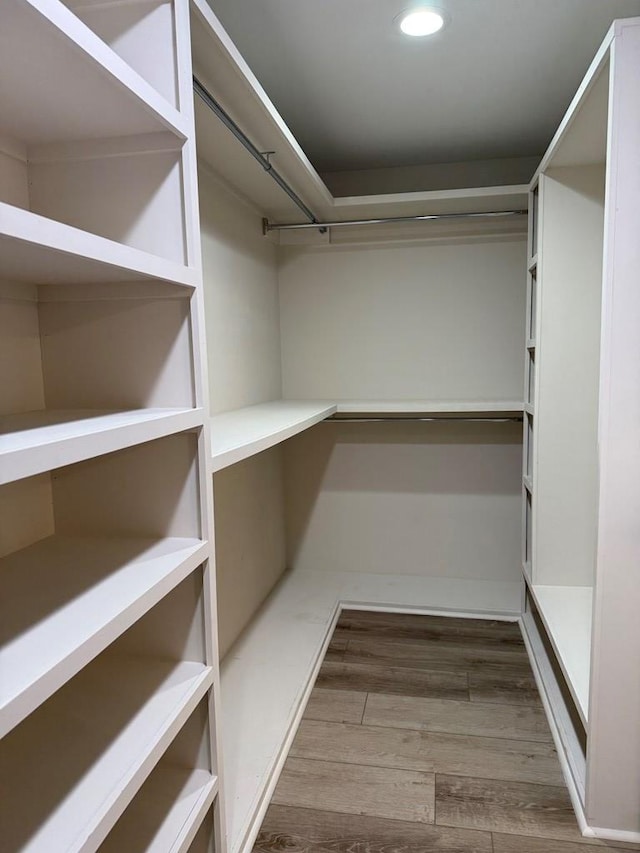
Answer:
(261, 156)
(431, 419)
(297, 226)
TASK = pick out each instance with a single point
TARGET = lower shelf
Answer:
(77, 762)
(166, 814)
(50, 629)
(567, 615)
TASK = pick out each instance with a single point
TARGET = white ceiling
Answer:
(358, 95)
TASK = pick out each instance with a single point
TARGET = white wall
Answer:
(420, 320)
(434, 499)
(241, 300)
(250, 539)
(243, 343)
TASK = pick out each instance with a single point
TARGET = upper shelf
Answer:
(244, 432)
(40, 250)
(83, 91)
(222, 70)
(432, 408)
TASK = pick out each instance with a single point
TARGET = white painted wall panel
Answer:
(439, 500)
(418, 321)
(250, 539)
(241, 300)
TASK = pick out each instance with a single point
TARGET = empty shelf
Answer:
(434, 408)
(35, 442)
(82, 91)
(65, 599)
(241, 433)
(567, 614)
(36, 249)
(77, 762)
(166, 814)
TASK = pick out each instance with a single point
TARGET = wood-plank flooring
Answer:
(422, 733)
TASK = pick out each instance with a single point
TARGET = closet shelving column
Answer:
(110, 685)
(582, 578)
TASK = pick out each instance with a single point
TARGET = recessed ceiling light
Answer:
(424, 21)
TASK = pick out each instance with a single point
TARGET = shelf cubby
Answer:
(167, 812)
(87, 549)
(121, 711)
(87, 184)
(102, 733)
(130, 28)
(83, 90)
(71, 391)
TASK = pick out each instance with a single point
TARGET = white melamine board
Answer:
(567, 615)
(567, 368)
(42, 251)
(142, 34)
(80, 89)
(166, 814)
(439, 500)
(245, 432)
(292, 628)
(430, 407)
(35, 442)
(250, 539)
(65, 599)
(103, 733)
(418, 322)
(614, 746)
(241, 300)
(14, 176)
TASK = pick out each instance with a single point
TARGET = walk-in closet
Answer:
(244, 402)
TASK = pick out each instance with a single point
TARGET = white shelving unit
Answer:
(108, 646)
(582, 409)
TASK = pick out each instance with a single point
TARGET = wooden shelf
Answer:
(567, 615)
(242, 433)
(102, 734)
(165, 815)
(80, 90)
(480, 408)
(36, 249)
(68, 598)
(35, 442)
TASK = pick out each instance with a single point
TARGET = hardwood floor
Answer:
(423, 733)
